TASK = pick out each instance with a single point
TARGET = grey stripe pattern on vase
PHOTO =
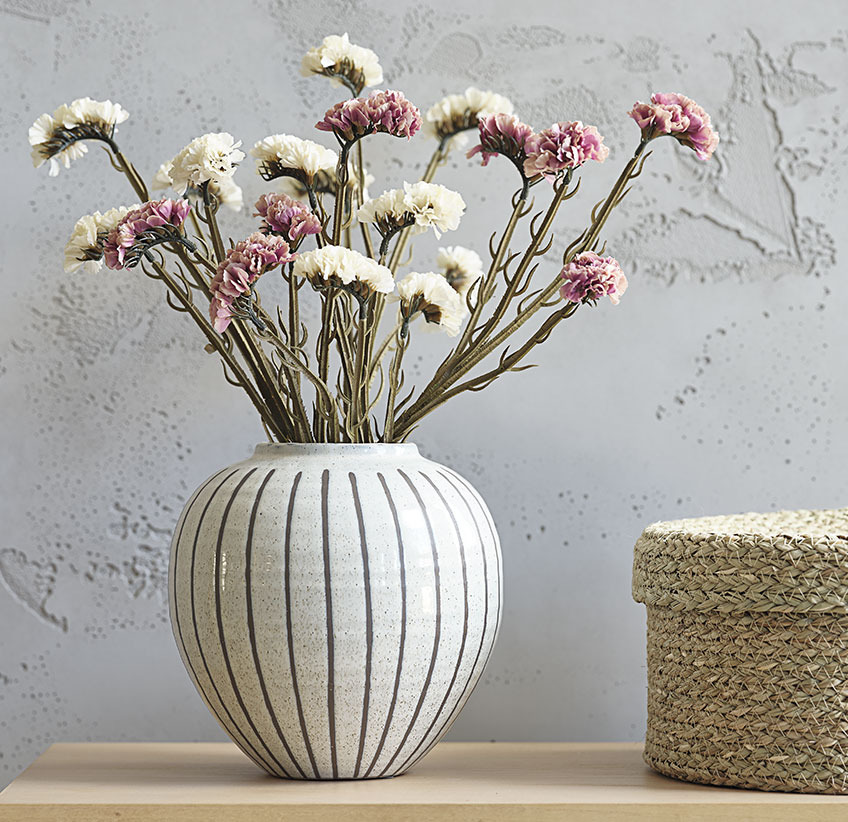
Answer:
(335, 613)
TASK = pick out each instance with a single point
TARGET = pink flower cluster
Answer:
(242, 266)
(502, 134)
(680, 117)
(588, 277)
(387, 112)
(563, 146)
(286, 216)
(138, 229)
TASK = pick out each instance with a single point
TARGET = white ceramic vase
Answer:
(335, 605)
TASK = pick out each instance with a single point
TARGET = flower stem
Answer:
(434, 393)
(217, 342)
(394, 385)
(212, 222)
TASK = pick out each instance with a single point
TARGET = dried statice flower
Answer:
(382, 112)
(561, 147)
(503, 134)
(153, 223)
(225, 191)
(287, 217)
(344, 63)
(335, 266)
(461, 267)
(457, 113)
(59, 137)
(162, 179)
(431, 296)
(245, 263)
(85, 246)
(588, 277)
(418, 206)
(210, 158)
(284, 155)
(680, 117)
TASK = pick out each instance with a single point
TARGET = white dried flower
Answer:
(284, 155)
(162, 178)
(457, 113)
(461, 267)
(432, 296)
(85, 246)
(226, 191)
(418, 206)
(336, 265)
(338, 58)
(104, 114)
(434, 205)
(208, 158)
(59, 137)
(84, 250)
(389, 209)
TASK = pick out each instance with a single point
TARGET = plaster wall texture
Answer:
(718, 385)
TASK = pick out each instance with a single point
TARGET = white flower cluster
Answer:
(336, 50)
(226, 191)
(304, 157)
(425, 204)
(461, 267)
(85, 247)
(339, 265)
(459, 112)
(432, 296)
(209, 158)
(103, 115)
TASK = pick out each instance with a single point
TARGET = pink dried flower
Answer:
(159, 221)
(387, 112)
(563, 146)
(242, 266)
(502, 134)
(286, 216)
(680, 117)
(588, 277)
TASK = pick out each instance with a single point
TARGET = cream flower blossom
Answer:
(343, 62)
(226, 190)
(102, 113)
(418, 206)
(335, 265)
(162, 179)
(206, 159)
(228, 193)
(85, 246)
(284, 155)
(459, 112)
(461, 267)
(432, 296)
(59, 137)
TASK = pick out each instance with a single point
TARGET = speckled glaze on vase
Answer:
(335, 605)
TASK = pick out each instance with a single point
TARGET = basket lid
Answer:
(784, 561)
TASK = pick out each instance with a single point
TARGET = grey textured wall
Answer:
(717, 385)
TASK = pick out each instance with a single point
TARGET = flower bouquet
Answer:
(335, 597)
(344, 381)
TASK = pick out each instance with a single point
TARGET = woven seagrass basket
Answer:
(748, 649)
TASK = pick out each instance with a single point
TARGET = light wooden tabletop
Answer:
(501, 782)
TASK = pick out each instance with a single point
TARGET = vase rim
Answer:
(336, 449)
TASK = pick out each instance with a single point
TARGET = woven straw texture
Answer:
(748, 649)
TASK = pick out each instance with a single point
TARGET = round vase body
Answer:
(335, 605)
